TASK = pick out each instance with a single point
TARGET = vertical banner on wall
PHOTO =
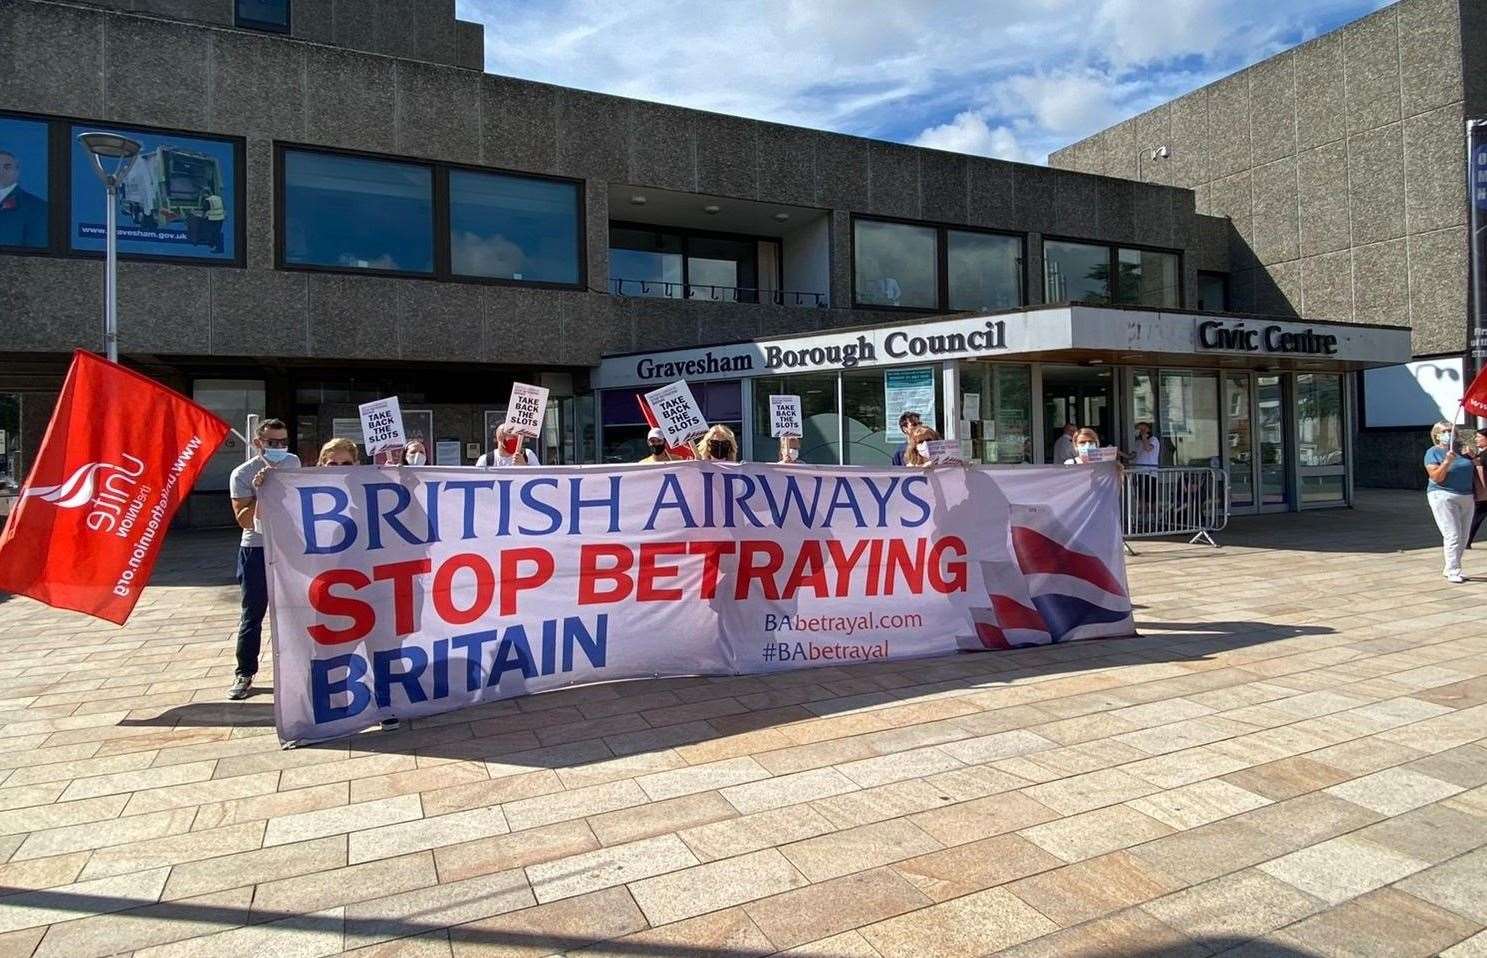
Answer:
(1476, 150)
(909, 390)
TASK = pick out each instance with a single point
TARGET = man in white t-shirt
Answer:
(1148, 451)
(509, 449)
(272, 443)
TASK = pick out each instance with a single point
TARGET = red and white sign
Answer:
(118, 458)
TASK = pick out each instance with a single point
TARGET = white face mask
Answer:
(792, 454)
(417, 458)
(1444, 439)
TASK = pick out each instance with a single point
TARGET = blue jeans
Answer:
(251, 576)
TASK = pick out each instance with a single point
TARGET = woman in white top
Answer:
(1148, 451)
(1086, 441)
(510, 450)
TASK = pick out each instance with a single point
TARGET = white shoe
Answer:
(1456, 579)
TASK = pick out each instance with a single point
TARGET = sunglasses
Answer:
(275, 443)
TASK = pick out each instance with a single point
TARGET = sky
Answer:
(1013, 79)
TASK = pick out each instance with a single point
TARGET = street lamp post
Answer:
(122, 151)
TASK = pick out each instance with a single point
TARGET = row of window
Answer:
(915, 266)
(182, 198)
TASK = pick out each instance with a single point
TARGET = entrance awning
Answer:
(1061, 334)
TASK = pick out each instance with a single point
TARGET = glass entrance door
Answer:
(1239, 442)
(1270, 421)
(1084, 396)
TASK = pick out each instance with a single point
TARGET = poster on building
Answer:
(24, 209)
(527, 406)
(179, 197)
(910, 390)
(677, 413)
(784, 417)
(545, 581)
(1477, 184)
(1177, 403)
(448, 453)
(382, 428)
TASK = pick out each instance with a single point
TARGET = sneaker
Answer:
(241, 686)
(1456, 579)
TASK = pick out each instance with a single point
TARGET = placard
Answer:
(1104, 454)
(447, 453)
(909, 390)
(382, 426)
(784, 417)
(943, 450)
(677, 413)
(526, 408)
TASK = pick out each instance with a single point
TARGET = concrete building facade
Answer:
(688, 229)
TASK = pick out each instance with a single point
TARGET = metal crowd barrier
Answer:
(1172, 501)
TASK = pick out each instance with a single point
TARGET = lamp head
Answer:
(120, 149)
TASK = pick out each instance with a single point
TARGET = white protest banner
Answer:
(527, 407)
(1104, 454)
(406, 593)
(677, 413)
(382, 426)
(784, 417)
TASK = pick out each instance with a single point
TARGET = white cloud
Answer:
(1014, 77)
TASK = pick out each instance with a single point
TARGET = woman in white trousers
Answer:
(1449, 492)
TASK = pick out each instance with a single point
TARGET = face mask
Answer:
(922, 449)
(1085, 448)
(509, 445)
(416, 458)
(792, 454)
(1444, 439)
(276, 455)
(718, 450)
(657, 448)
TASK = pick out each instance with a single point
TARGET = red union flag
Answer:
(1475, 399)
(119, 457)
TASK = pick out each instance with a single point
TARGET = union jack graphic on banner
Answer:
(1053, 592)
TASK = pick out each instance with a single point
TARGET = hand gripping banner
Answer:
(409, 592)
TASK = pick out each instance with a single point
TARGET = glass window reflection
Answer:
(356, 213)
(984, 270)
(513, 227)
(1076, 272)
(896, 265)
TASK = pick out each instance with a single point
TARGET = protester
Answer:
(917, 455)
(1086, 441)
(656, 441)
(272, 443)
(508, 449)
(1449, 493)
(789, 449)
(906, 423)
(1148, 451)
(1479, 484)
(1063, 446)
(416, 454)
(718, 445)
(338, 452)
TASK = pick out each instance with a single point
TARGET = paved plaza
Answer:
(1289, 760)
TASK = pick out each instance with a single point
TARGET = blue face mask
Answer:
(276, 455)
(1085, 448)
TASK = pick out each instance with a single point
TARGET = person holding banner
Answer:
(655, 440)
(1086, 441)
(916, 453)
(1449, 492)
(272, 443)
(338, 452)
(509, 450)
(718, 444)
(907, 423)
(789, 449)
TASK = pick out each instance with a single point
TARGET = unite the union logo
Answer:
(105, 486)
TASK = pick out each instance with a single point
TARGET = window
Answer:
(1076, 273)
(896, 265)
(646, 262)
(821, 443)
(1319, 422)
(24, 192)
(270, 15)
(684, 264)
(984, 270)
(356, 213)
(513, 227)
(12, 470)
(1213, 291)
(996, 401)
(1081, 273)
(1149, 278)
(178, 199)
